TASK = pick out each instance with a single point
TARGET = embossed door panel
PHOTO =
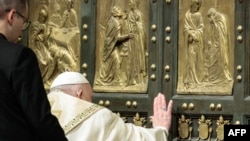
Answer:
(205, 47)
(54, 36)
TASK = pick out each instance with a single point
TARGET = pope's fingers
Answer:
(160, 104)
(163, 102)
(170, 106)
(156, 105)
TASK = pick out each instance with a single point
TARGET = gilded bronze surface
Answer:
(206, 51)
(220, 128)
(139, 121)
(205, 129)
(54, 36)
(184, 128)
(121, 48)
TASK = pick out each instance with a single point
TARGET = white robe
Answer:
(84, 121)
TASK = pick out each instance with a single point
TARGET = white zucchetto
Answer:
(69, 78)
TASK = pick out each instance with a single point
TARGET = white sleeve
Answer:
(104, 125)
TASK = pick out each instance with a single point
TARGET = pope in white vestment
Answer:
(85, 121)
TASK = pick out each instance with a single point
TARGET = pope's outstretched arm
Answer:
(112, 127)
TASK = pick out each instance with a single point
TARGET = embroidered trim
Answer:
(81, 117)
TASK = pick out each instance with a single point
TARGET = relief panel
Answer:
(206, 47)
(121, 46)
(54, 36)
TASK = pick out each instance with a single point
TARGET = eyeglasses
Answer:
(26, 20)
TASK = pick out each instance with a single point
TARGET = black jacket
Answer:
(24, 107)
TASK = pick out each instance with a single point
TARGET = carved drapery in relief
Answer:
(121, 51)
(206, 51)
(54, 35)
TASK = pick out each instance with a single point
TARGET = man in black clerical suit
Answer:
(24, 108)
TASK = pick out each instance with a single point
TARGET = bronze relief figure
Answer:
(206, 51)
(121, 55)
(55, 36)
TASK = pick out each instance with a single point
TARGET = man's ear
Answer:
(79, 93)
(10, 16)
